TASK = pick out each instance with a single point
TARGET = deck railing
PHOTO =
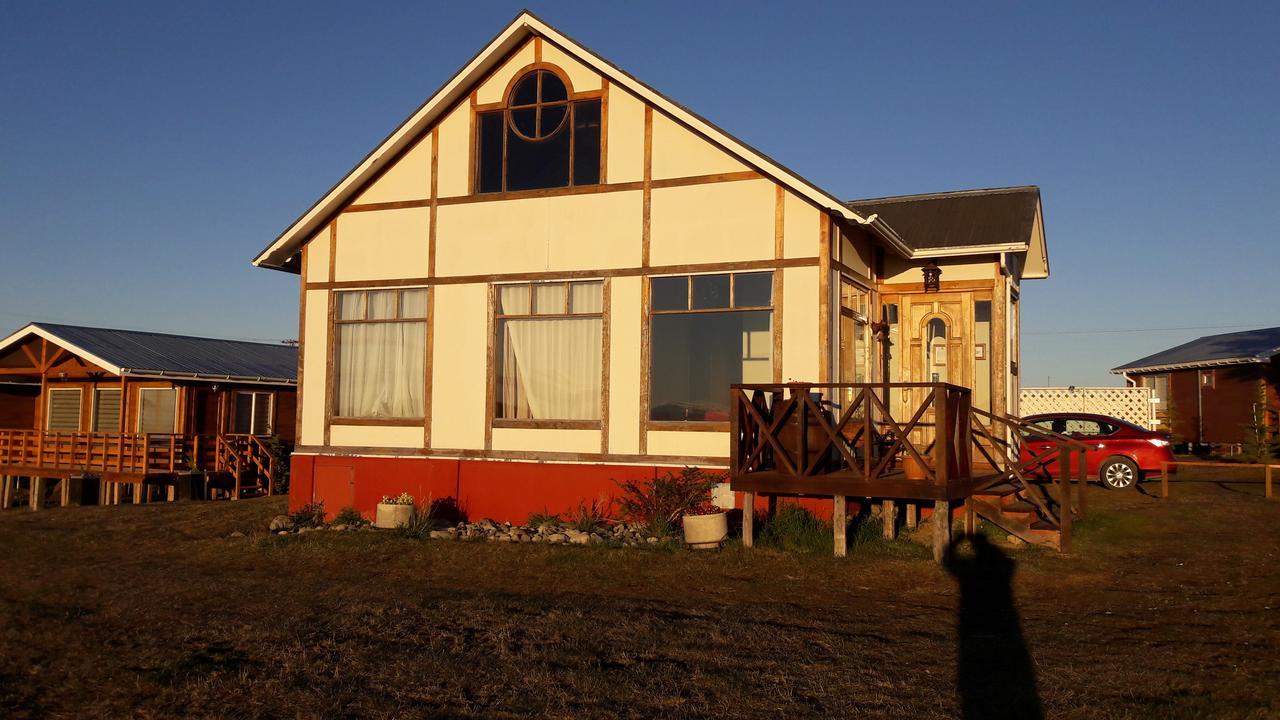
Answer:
(135, 454)
(819, 437)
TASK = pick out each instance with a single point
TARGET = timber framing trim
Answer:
(509, 455)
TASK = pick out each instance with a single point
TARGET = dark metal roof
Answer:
(149, 353)
(1234, 348)
(967, 218)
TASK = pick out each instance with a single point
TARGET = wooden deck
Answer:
(842, 440)
(230, 464)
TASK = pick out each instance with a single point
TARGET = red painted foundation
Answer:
(502, 491)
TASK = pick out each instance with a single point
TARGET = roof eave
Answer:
(1187, 365)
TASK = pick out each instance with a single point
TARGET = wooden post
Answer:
(941, 439)
(1082, 481)
(838, 520)
(37, 490)
(748, 518)
(941, 529)
(913, 514)
(1164, 479)
(1267, 482)
(6, 492)
(970, 517)
(64, 494)
(889, 515)
(137, 493)
(1064, 498)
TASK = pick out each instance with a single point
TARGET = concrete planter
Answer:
(393, 516)
(706, 532)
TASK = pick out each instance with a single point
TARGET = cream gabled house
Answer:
(549, 275)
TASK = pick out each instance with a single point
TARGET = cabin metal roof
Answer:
(152, 354)
(963, 219)
(1248, 346)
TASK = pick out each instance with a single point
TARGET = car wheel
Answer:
(1118, 473)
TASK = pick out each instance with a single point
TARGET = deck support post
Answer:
(839, 517)
(137, 493)
(6, 491)
(1267, 486)
(941, 529)
(748, 519)
(37, 491)
(889, 515)
(912, 512)
(64, 494)
(970, 517)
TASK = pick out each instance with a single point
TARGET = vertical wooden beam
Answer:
(970, 517)
(37, 492)
(606, 310)
(1164, 480)
(1064, 498)
(839, 520)
(64, 491)
(748, 519)
(779, 249)
(137, 491)
(889, 516)
(1267, 481)
(604, 131)
(6, 490)
(824, 297)
(941, 529)
(302, 350)
(647, 186)
(645, 374)
(913, 515)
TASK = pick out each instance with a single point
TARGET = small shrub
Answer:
(545, 517)
(310, 515)
(445, 510)
(795, 529)
(418, 527)
(660, 502)
(590, 518)
(348, 516)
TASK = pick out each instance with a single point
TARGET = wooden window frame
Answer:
(335, 351)
(93, 408)
(505, 106)
(48, 408)
(498, 317)
(703, 425)
(176, 409)
(253, 410)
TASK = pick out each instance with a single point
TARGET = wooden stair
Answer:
(1016, 507)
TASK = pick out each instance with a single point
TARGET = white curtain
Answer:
(551, 369)
(381, 368)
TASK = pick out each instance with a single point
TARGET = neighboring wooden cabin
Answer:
(1210, 391)
(549, 275)
(126, 406)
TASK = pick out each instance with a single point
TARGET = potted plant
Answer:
(913, 469)
(705, 526)
(394, 512)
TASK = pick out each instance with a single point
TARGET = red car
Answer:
(1120, 453)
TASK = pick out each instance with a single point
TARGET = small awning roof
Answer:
(158, 355)
(1237, 348)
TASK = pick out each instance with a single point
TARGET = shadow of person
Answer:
(994, 674)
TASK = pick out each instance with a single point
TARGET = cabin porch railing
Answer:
(134, 454)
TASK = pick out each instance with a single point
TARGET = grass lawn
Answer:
(1165, 608)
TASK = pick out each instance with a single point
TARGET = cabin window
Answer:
(541, 138)
(64, 410)
(707, 332)
(157, 410)
(853, 337)
(106, 410)
(548, 351)
(380, 358)
(982, 355)
(253, 413)
(1159, 385)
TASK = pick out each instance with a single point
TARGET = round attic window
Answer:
(539, 105)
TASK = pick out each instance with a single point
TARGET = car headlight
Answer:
(1158, 442)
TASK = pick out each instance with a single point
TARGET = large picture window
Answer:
(542, 138)
(381, 354)
(707, 332)
(549, 349)
(157, 410)
(253, 413)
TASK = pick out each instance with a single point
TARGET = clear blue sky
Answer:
(148, 150)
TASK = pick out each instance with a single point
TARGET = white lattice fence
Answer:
(1127, 403)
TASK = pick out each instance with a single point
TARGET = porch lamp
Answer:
(932, 276)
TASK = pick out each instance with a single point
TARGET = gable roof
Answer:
(158, 355)
(964, 222)
(524, 26)
(1249, 346)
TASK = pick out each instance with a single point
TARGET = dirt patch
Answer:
(1165, 608)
